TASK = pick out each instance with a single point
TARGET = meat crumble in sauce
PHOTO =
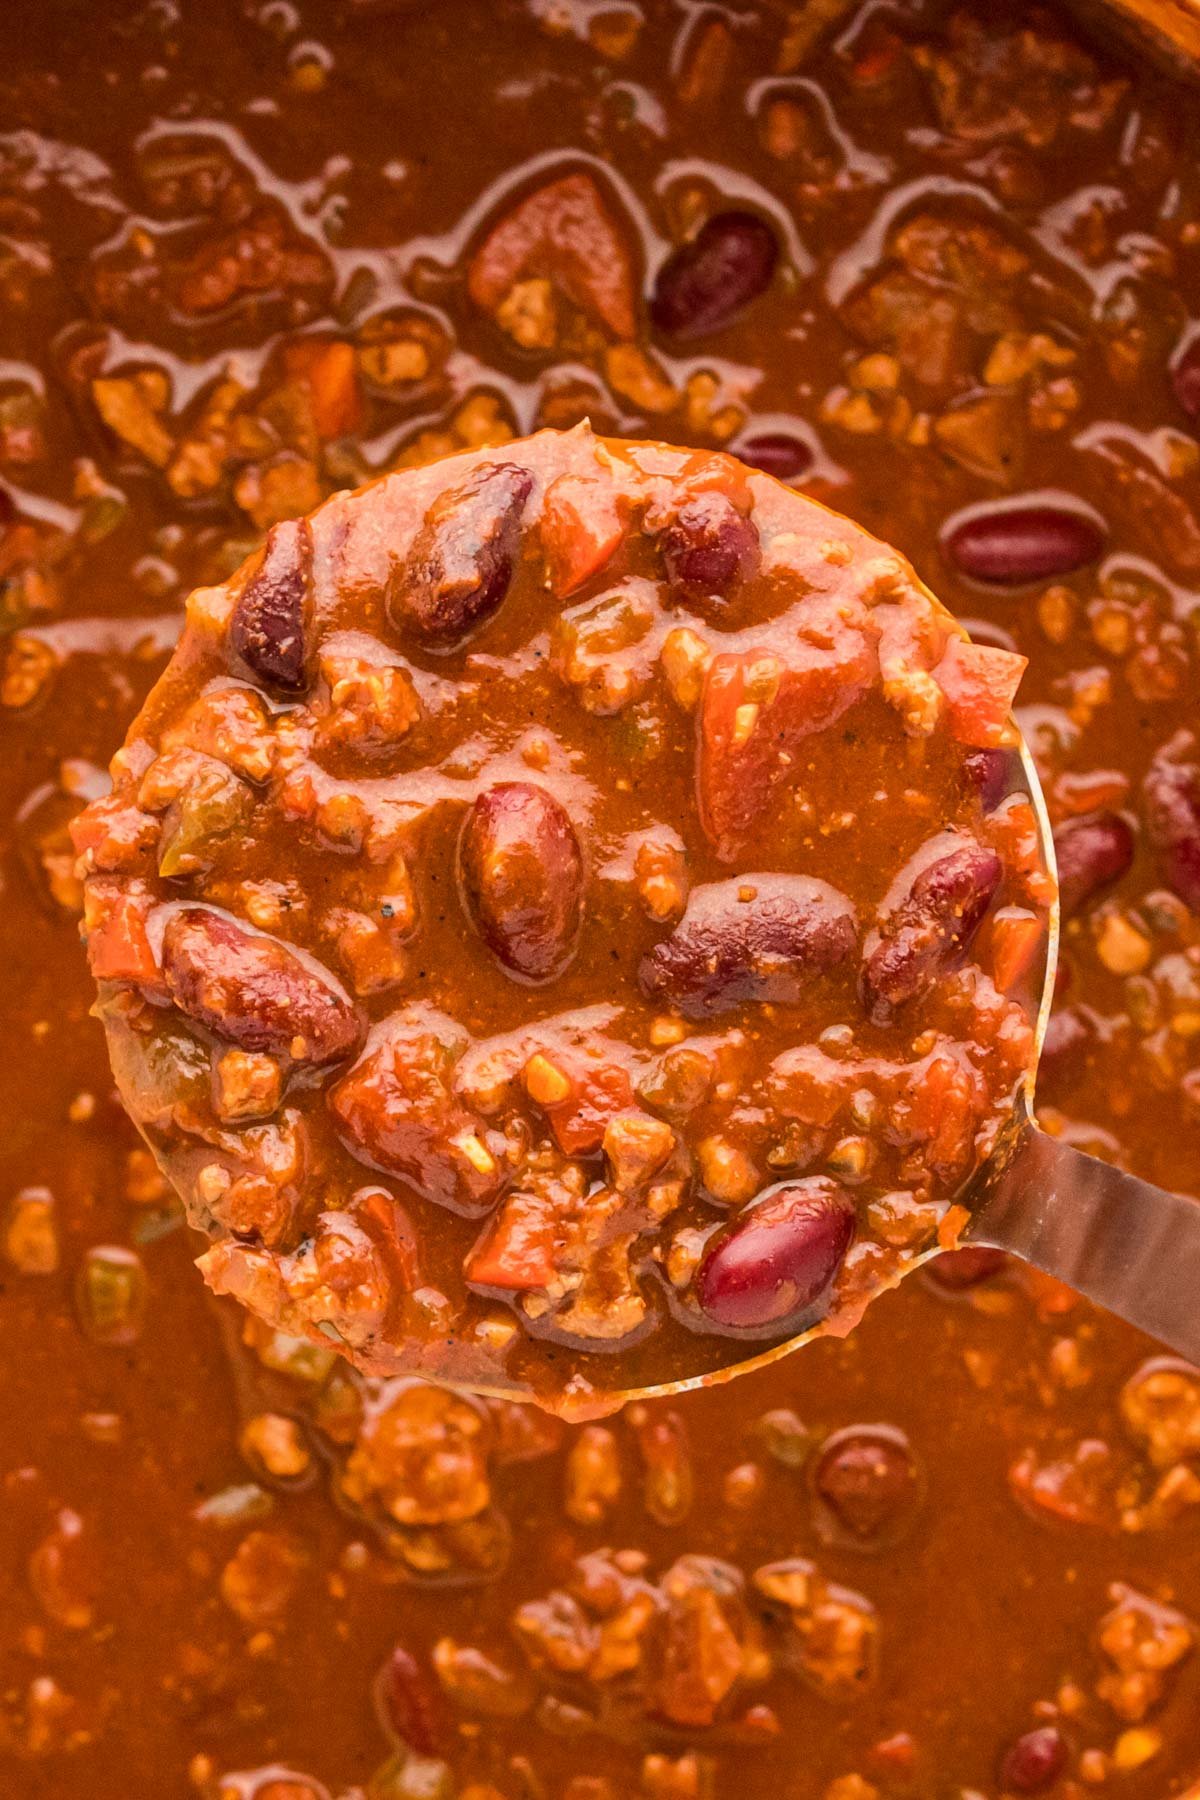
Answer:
(683, 1033)
(938, 266)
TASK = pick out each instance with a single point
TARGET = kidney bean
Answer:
(708, 548)
(1034, 1761)
(1091, 852)
(780, 1257)
(727, 950)
(867, 1486)
(931, 929)
(1171, 796)
(408, 1702)
(255, 992)
(1008, 546)
(462, 559)
(707, 282)
(270, 624)
(1185, 379)
(967, 1267)
(776, 453)
(987, 771)
(522, 878)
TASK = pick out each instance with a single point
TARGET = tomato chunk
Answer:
(117, 944)
(757, 709)
(517, 1249)
(980, 684)
(1016, 935)
(582, 527)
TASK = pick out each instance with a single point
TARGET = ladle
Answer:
(1131, 1247)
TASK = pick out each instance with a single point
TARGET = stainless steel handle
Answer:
(1131, 1247)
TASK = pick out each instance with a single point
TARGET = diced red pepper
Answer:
(980, 684)
(117, 944)
(390, 1228)
(600, 1093)
(749, 736)
(330, 373)
(1016, 935)
(112, 833)
(582, 527)
(517, 1249)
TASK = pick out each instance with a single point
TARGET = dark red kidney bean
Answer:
(988, 772)
(967, 1267)
(463, 557)
(776, 453)
(931, 930)
(1010, 545)
(868, 1486)
(709, 280)
(1171, 797)
(1185, 379)
(1035, 1761)
(407, 1702)
(522, 878)
(779, 1259)
(1068, 1034)
(1091, 852)
(708, 548)
(255, 992)
(727, 950)
(270, 624)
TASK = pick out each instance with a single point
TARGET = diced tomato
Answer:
(713, 474)
(564, 231)
(944, 1112)
(329, 371)
(117, 945)
(112, 833)
(980, 684)
(749, 734)
(1018, 841)
(517, 1249)
(582, 526)
(1016, 935)
(601, 1091)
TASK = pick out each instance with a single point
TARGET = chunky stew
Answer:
(558, 877)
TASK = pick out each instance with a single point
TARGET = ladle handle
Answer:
(1131, 1247)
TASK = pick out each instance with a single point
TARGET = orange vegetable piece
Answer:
(600, 1093)
(517, 1249)
(329, 371)
(566, 232)
(117, 945)
(980, 684)
(1016, 935)
(582, 527)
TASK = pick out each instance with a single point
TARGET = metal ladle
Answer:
(1131, 1247)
